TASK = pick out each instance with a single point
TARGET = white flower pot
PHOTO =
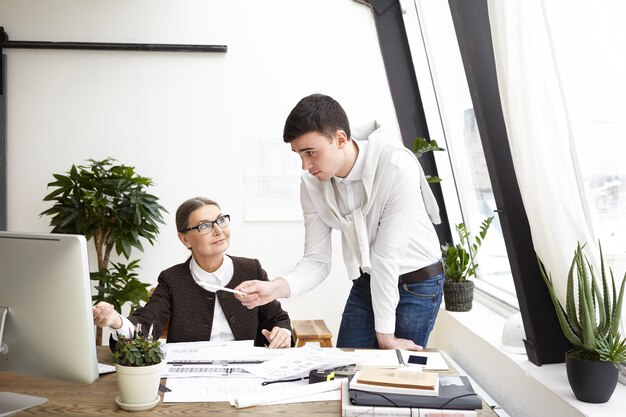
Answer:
(139, 385)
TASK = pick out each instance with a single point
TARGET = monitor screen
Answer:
(48, 330)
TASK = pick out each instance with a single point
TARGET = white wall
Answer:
(187, 120)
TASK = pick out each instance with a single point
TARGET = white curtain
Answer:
(540, 135)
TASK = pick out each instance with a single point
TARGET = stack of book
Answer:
(400, 392)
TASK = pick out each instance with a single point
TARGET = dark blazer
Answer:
(189, 308)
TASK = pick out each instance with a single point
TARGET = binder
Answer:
(455, 392)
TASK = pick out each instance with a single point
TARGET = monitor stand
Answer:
(11, 402)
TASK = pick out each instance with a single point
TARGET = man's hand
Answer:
(104, 315)
(278, 337)
(389, 341)
(262, 292)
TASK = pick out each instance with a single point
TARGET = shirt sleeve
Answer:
(396, 226)
(126, 330)
(315, 264)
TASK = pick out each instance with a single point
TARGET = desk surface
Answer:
(68, 398)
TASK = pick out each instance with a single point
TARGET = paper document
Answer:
(388, 358)
(297, 362)
(189, 390)
(213, 358)
(287, 394)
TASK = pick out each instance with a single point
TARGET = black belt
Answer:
(422, 274)
(419, 275)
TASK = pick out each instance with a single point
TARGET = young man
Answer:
(374, 191)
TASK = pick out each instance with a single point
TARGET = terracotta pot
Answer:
(591, 381)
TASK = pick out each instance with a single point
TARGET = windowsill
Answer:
(515, 384)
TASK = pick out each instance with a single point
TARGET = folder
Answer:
(455, 392)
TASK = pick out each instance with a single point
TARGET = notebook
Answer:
(455, 392)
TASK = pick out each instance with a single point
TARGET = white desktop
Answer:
(46, 325)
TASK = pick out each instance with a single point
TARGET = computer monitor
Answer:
(48, 330)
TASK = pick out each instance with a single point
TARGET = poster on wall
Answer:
(272, 181)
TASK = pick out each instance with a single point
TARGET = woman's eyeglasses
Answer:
(206, 227)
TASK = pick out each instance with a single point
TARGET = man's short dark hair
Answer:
(316, 113)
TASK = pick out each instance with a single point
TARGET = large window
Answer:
(448, 106)
(591, 64)
(589, 51)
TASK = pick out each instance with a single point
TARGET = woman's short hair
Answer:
(184, 210)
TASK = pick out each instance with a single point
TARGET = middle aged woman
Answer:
(186, 296)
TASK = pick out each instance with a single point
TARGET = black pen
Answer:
(264, 383)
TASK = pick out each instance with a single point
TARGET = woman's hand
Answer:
(278, 337)
(104, 315)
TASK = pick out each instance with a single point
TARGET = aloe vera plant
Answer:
(591, 317)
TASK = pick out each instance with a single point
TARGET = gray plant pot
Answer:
(458, 296)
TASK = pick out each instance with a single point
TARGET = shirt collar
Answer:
(221, 276)
(355, 173)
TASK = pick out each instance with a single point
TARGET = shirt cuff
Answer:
(383, 325)
(126, 330)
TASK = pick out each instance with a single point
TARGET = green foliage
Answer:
(591, 317)
(140, 350)
(420, 147)
(107, 202)
(459, 261)
(119, 285)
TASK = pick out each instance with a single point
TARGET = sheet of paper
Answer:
(297, 362)
(387, 358)
(287, 394)
(206, 389)
(195, 359)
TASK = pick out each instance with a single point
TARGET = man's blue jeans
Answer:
(415, 314)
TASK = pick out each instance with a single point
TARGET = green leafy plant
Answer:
(108, 203)
(140, 350)
(119, 285)
(459, 261)
(420, 147)
(591, 317)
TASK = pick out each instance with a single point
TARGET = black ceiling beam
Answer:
(545, 342)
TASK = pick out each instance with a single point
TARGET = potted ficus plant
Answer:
(108, 203)
(138, 362)
(459, 264)
(590, 321)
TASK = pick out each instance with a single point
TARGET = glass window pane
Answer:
(592, 65)
(465, 182)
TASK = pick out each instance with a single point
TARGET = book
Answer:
(403, 378)
(391, 381)
(455, 392)
(350, 410)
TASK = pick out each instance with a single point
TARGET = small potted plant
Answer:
(459, 264)
(590, 321)
(138, 362)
